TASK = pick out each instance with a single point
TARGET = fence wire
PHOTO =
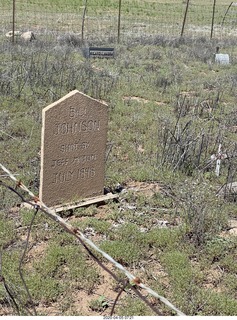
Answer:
(138, 18)
(78, 234)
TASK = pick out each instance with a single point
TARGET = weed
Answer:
(90, 211)
(162, 239)
(230, 284)
(228, 262)
(201, 212)
(131, 306)
(124, 252)
(214, 304)
(45, 288)
(182, 278)
(99, 304)
(7, 232)
(218, 248)
(170, 106)
(100, 226)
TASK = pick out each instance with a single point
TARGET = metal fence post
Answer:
(185, 16)
(213, 17)
(119, 19)
(13, 20)
(83, 21)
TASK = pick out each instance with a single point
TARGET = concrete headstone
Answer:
(74, 135)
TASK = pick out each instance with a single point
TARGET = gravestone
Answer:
(74, 135)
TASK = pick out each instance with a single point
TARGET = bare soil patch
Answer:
(150, 270)
(141, 100)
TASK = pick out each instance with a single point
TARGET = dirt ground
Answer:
(107, 288)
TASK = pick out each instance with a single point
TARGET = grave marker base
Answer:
(85, 202)
(78, 204)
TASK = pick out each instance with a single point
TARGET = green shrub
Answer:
(100, 226)
(45, 288)
(69, 263)
(179, 269)
(218, 249)
(216, 304)
(228, 262)
(230, 284)
(99, 304)
(129, 232)
(122, 251)
(182, 279)
(7, 232)
(201, 212)
(133, 307)
(163, 238)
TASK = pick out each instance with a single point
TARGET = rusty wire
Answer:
(137, 285)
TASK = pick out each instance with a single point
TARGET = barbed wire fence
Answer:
(37, 205)
(123, 18)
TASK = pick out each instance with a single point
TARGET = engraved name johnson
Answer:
(74, 134)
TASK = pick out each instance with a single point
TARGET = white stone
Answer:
(28, 36)
(9, 34)
(222, 58)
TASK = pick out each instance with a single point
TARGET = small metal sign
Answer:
(100, 52)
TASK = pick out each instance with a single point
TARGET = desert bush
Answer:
(188, 143)
(131, 306)
(183, 279)
(98, 226)
(70, 39)
(229, 282)
(169, 109)
(64, 262)
(201, 212)
(228, 262)
(99, 304)
(15, 296)
(162, 239)
(213, 304)
(218, 248)
(7, 231)
(45, 289)
(124, 252)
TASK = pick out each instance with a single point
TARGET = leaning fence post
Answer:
(13, 20)
(185, 16)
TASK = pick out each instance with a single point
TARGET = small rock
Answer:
(28, 36)
(9, 34)
(129, 207)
